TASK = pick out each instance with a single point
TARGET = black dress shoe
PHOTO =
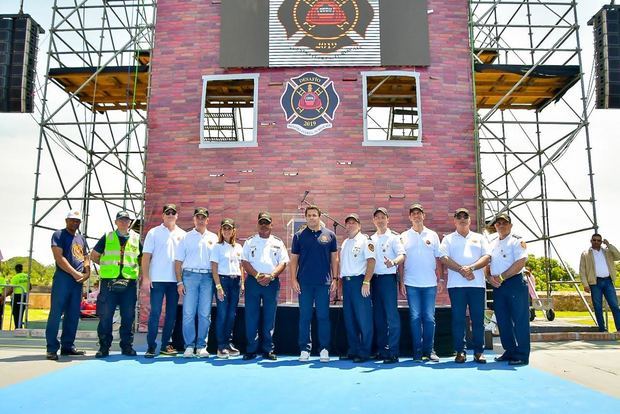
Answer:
(247, 357)
(460, 357)
(270, 356)
(72, 351)
(390, 360)
(52, 356)
(479, 358)
(518, 362)
(347, 357)
(129, 352)
(503, 357)
(359, 360)
(102, 353)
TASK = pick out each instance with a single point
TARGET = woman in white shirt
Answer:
(227, 277)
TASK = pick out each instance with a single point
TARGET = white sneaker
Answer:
(304, 356)
(203, 353)
(189, 352)
(324, 355)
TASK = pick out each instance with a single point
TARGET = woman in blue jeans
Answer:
(227, 277)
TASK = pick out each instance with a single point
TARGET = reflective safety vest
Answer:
(114, 256)
(21, 281)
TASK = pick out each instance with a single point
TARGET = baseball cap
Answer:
(264, 215)
(74, 214)
(169, 207)
(201, 211)
(503, 216)
(353, 216)
(416, 206)
(461, 210)
(381, 210)
(123, 215)
(228, 222)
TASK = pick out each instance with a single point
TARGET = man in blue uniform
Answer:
(390, 253)
(357, 264)
(264, 258)
(72, 270)
(510, 298)
(314, 273)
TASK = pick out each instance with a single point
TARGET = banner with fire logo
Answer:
(324, 32)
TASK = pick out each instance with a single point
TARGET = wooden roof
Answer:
(116, 87)
(237, 93)
(388, 91)
(545, 84)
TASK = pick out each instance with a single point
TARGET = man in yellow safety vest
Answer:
(117, 254)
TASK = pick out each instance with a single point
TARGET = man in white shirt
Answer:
(195, 283)
(420, 275)
(598, 274)
(466, 253)
(357, 264)
(158, 277)
(389, 254)
(264, 259)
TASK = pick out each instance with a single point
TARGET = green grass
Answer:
(33, 315)
(580, 318)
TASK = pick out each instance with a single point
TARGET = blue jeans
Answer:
(384, 294)
(197, 300)
(65, 300)
(357, 312)
(317, 296)
(158, 292)
(107, 301)
(226, 310)
(512, 312)
(255, 294)
(421, 302)
(460, 299)
(604, 287)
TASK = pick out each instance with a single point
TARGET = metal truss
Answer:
(92, 158)
(535, 163)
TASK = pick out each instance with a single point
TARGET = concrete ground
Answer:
(595, 365)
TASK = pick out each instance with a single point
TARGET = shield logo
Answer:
(309, 103)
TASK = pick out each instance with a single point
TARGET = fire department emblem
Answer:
(309, 103)
(326, 24)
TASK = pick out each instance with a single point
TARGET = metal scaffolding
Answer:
(92, 129)
(531, 134)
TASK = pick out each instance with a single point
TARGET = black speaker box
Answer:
(606, 25)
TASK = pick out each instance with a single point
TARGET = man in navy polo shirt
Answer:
(314, 272)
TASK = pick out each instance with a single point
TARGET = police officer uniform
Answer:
(355, 254)
(264, 254)
(511, 298)
(385, 294)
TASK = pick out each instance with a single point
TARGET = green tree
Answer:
(41, 275)
(540, 267)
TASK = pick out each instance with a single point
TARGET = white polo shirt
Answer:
(354, 255)
(387, 245)
(228, 258)
(420, 264)
(505, 252)
(195, 250)
(264, 254)
(465, 251)
(600, 263)
(161, 243)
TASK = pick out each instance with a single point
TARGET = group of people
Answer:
(199, 264)
(17, 287)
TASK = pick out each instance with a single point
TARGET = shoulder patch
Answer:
(523, 244)
(371, 247)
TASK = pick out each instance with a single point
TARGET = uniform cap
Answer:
(201, 211)
(74, 214)
(264, 215)
(416, 206)
(169, 207)
(228, 222)
(123, 215)
(381, 210)
(461, 210)
(353, 216)
(503, 216)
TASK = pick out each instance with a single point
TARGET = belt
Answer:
(230, 276)
(197, 270)
(349, 278)
(385, 274)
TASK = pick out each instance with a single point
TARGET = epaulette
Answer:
(395, 233)
(251, 237)
(516, 236)
(277, 238)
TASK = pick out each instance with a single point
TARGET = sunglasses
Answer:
(264, 223)
(170, 213)
(462, 216)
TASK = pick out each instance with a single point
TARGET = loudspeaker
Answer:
(19, 34)
(607, 56)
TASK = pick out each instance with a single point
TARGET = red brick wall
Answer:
(440, 174)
